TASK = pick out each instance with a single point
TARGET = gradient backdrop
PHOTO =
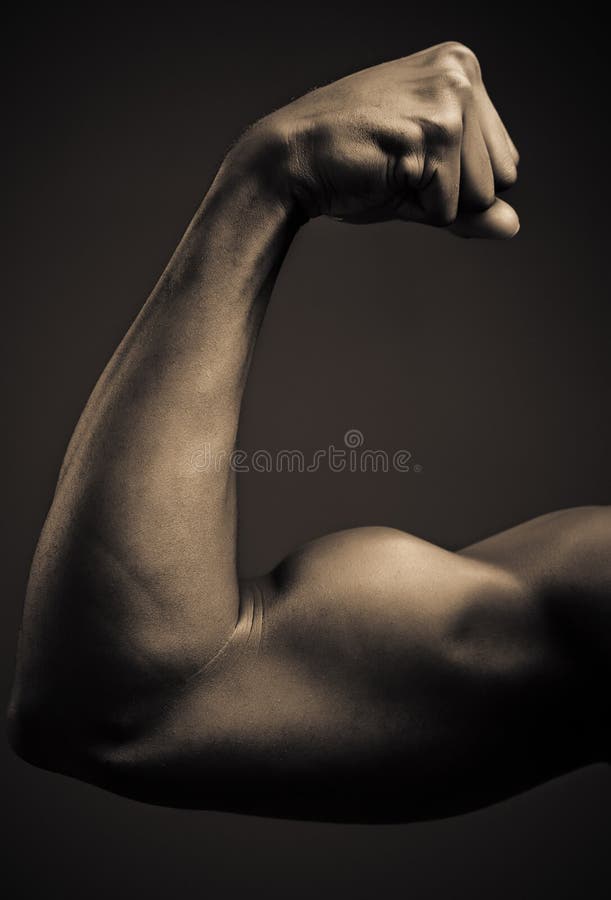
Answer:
(489, 362)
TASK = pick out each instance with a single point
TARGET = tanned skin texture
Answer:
(371, 676)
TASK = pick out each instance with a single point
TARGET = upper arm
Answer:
(351, 665)
(371, 676)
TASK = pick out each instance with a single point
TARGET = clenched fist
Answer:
(416, 139)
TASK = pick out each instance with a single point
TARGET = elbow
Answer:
(101, 755)
(50, 738)
(29, 734)
(99, 759)
(83, 744)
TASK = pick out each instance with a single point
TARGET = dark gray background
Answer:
(489, 362)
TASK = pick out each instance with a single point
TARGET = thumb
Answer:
(497, 223)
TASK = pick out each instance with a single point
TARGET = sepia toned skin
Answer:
(371, 676)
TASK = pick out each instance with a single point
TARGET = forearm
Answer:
(175, 383)
(140, 539)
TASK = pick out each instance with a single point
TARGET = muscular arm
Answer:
(371, 675)
(136, 561)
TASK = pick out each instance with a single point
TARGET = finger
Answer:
(512, 147)
(476, 175)
(500, 222)
(503, 154)
(439, 199)
(496, 119)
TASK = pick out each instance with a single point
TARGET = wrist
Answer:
(265, 157)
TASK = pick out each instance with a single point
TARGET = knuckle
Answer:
(446, 130)
(456, 55)
(462, 52)
(409, 170)
(456, 80)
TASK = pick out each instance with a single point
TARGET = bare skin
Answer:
(371, 676)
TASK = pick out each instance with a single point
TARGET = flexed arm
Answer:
(144, 665)
(134, 580)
